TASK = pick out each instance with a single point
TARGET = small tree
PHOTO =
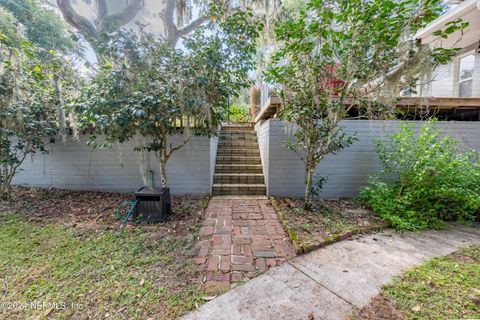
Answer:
(27, 111)
(346, 52)
(150, 90)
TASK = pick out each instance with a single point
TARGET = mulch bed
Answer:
(96, 210)
(328, 221)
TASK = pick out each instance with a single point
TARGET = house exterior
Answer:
(461, 77)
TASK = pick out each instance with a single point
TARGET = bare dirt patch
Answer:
(380, 308)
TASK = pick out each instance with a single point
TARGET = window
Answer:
(465, 76)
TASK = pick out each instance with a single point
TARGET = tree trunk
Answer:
(59, 105)
(162, 164)
(4, 192)
(7, 178)
(3, 185)
(308, 187)
(163, 173)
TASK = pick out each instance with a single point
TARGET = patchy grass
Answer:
(327, 222)
(90, 267)
(443, 288)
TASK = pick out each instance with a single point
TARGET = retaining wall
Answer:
(346, 171)
(74, 165)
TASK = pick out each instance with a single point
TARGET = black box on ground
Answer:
(153, 206)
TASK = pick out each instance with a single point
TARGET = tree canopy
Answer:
(42, 25)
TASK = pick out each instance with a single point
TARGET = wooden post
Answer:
(253, 89)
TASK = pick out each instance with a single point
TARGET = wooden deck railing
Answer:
(269, 109)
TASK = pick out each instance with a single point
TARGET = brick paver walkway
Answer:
(240, 238)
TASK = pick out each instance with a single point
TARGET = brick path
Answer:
(240, 238)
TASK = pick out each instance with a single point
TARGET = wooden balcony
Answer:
(440, 102)
(446, 107)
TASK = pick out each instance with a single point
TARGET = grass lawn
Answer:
(86, 267)
(328, 221)
(443, 288)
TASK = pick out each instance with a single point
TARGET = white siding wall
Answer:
(346, 171)
(74, 165)
(444, 83)
(476, 77)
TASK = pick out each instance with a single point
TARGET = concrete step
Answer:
(238, 152)
(238, 159)
(238, 178)
(238, 144)
(238, 131)
(237, 127)
(238, 189)
(239, 138)
(238, 168)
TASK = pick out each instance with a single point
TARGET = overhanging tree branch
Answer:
(191, 26)
(77, 21)
(102, 11)
(114, 21)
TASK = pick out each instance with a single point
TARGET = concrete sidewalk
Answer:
(331, 282)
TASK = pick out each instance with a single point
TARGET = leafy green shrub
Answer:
(238, 113)
(425, 181)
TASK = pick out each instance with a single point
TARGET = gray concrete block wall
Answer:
(213, 158)
(346, 171)
(74, 165)
(263, 144)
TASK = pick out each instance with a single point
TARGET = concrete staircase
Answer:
(238, 169)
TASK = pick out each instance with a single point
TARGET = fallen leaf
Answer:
(208, 298)
(416, 308)
(47, 312)
(142, 281)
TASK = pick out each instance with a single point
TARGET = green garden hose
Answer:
(133, 204)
